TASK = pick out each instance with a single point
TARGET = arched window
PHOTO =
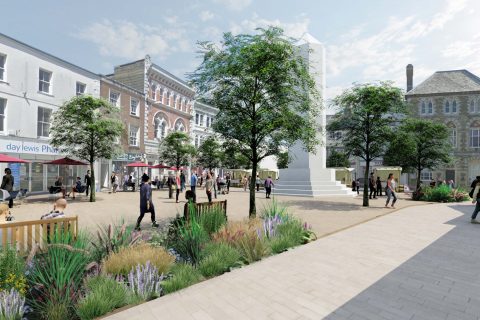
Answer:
(423, 110)
(430, 107)
(154, 93)
(454, 106)
(160, 124)
(180, 126)
(472, 106)
(453, 134)
(168, 98)
(447, 107)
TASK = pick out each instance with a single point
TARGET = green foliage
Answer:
(233, 158)
(443, 194)
(366, 114)
(283, 160)
(289, 234)
(57, 275)
(104, 294)
(190, 239)
(209, 153)
(176, 149)
(183, 275)
(12, 271)
(251, 247)
(217, 258)
(266, 97)
(274, 208)
(420, 144)
(85, 128)
(212, 219)
(338, 159)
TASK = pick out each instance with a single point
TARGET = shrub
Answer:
(56, 276)
(442, 194)
(184, 275)
(270, 225)
(234, 230)
(104, 294)
(111, 238)
(217, 258)
(191, 239)
(145, 282)
(122, 262)
(12, 305)
(252, 246)
(12, 271)
(289, 234)
(212, 219)
(272, 209)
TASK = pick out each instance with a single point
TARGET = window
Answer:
(168, 98)
(430, 107)
(133, 107)
(201, 120)
(44, 81)
(43, 122)
(160, 126)
(447, 107)
(208, 122)
(154, 93)
(454, 106)
(197, 118)
(423, 110)
(453, 137)
(80, 88)
(426, 175)
(180, 126)
(3, 59)
(133, 136)
(115, 98)
(175, 101)
(475, 138)
(472, 107)
(3, 106)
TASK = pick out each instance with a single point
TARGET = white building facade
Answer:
(203, 117)
(33, 85)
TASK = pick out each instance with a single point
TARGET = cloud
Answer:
(235, 5)
(463, 49)
(293, 29)
(128, 40)
(206, 15)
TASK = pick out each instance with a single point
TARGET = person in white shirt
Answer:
(391, 185)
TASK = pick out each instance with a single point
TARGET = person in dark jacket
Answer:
(7, 184)
(88, 182)
(371, 186)
(146, 203)
(379, 187)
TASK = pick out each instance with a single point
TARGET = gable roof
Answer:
(453, 81)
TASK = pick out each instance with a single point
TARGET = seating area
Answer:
(203, 206)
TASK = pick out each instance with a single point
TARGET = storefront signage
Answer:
(129, 157)
(15, 146)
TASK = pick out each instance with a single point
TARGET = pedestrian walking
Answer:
(476, 200)
(257, 182)
(354, 185)
(193, 186)
(212, 177)
(379, 187)
(182, 181)
(114, 181)
(357, 185)
(227, 178)
(209, 186)
(268, 186)
(7, 184)
(177, 186)
(146, 203)
(170, 184)
(245, 183)
(390, 190)
(371, 185)
(88, 182)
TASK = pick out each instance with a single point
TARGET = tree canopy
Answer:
(209, 153)
(267, 99)
(337, 159)
(366, 115)
(176, 149)
(283, 160)
(419, 144)
(232, 158)
(85, 127)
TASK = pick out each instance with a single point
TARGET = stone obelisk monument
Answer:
(307, 174)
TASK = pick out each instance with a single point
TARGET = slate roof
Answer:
(453, 81)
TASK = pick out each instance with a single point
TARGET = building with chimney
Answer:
(453, 98)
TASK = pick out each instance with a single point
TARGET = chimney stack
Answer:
(409, 77)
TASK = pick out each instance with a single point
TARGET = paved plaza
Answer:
(420, 262)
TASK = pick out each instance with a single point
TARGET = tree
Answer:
(366, 115)
(210, 153)
(233, 158)
(85, 127)
(267, 99)
(176, 149)
(420, 144)
(283, 160)
(338, 159)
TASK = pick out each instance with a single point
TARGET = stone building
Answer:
(451, 97)
(204, 115)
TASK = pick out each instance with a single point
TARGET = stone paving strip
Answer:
(323, 279)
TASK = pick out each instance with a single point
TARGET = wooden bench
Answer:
(204, 206)
(24, 234)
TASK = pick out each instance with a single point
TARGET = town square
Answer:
(240, 159)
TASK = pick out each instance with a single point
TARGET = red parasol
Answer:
(67, 162)
(159, 166)
(175, 168)
(5, 158)
(137, 164)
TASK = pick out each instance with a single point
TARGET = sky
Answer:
(365, 41)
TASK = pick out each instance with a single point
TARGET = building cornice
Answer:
(120, 85)
(443, 94)
(168, 109)
(162, 76)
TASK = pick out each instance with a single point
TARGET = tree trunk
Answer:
(92, 187)
(252, 213)
(365, 183)
(419, 172)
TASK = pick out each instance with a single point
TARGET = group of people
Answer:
(375, 187)
(267, 184)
